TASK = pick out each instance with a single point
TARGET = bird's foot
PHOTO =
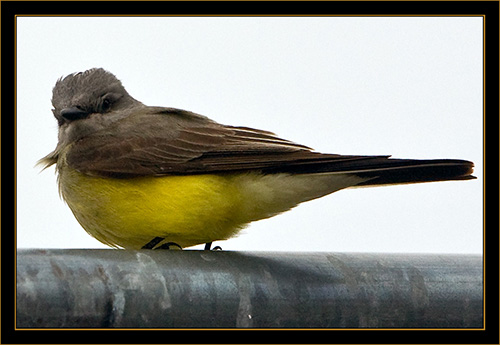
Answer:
(169, 245)
(151, 244)
(209, 244)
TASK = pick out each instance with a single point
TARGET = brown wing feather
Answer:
(178, 142)
(173, 141)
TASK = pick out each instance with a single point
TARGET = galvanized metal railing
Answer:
(223, 289)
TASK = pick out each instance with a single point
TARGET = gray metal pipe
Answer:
(222, 289)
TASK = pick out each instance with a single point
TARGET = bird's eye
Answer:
(108, 100)
(106, 104)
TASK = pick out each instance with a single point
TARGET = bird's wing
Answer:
(173, 141)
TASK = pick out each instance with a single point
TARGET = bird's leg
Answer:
(209, 244)
(151, 244)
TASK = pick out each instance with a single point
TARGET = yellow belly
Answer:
(129, 213)
(187, 210)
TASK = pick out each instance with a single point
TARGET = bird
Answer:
(150, 177)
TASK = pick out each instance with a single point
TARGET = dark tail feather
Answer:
(401, 171)
(382, 170)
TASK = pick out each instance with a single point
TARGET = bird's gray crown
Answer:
(92, 91)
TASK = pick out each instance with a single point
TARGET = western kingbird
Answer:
(137, 176)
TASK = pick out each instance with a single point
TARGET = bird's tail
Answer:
(383, 170)
(387, 171)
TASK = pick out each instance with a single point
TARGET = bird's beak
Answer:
(74, 113)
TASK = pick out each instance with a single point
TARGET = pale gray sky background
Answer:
(410, 87)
